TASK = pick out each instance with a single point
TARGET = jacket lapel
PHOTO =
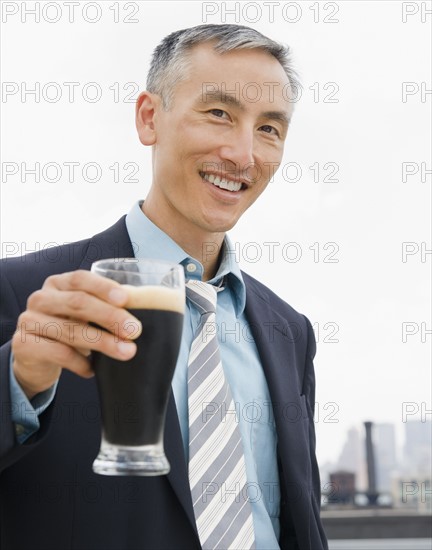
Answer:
(178, 475)
(278, 343)
(114, 242)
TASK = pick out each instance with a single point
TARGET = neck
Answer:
(204, 246)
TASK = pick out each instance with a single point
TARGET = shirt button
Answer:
(19, 429)
(191, 268)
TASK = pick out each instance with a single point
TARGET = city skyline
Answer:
(410, 460)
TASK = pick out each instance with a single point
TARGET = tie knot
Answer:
(203, 295)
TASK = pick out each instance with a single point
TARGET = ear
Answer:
(145, 111)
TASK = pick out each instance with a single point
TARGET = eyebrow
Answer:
(222, 97)
(230, 99)
(277, 115)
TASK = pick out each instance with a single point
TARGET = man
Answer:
(214, 152)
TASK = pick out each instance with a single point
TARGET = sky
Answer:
(342, 233)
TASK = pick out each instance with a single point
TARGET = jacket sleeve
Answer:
(10, 309)
(9, 312)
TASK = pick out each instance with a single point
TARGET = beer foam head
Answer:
(155, 297)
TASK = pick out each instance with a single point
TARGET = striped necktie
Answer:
(217, 473)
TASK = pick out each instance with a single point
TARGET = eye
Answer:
(219, 113)
(270, 130)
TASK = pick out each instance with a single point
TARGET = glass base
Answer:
(118, 460)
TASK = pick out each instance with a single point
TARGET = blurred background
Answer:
(342, 233)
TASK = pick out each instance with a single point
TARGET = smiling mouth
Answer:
(223, 183)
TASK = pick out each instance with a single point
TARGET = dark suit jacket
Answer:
(51, 499)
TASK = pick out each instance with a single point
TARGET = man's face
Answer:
(221, 141)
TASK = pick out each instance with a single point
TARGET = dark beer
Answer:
(134, 394)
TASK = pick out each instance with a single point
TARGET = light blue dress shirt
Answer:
(241, 364)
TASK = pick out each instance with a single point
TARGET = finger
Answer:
(106, 289)
(75, 334)
(85, 352)
(79, 305)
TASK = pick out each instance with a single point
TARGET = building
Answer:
(413, 493)
(417, 449)
(385, 456)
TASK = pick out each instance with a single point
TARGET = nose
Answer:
(238, 150)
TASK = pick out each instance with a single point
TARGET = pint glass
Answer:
(134, 394)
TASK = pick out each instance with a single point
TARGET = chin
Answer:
(219, 220)
(220, 226)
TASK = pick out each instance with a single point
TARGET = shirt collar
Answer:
(149, 241)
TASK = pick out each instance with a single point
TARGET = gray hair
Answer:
(169, 63)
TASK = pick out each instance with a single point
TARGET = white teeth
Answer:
(223, 183)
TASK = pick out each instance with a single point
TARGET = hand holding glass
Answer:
(134, 394)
